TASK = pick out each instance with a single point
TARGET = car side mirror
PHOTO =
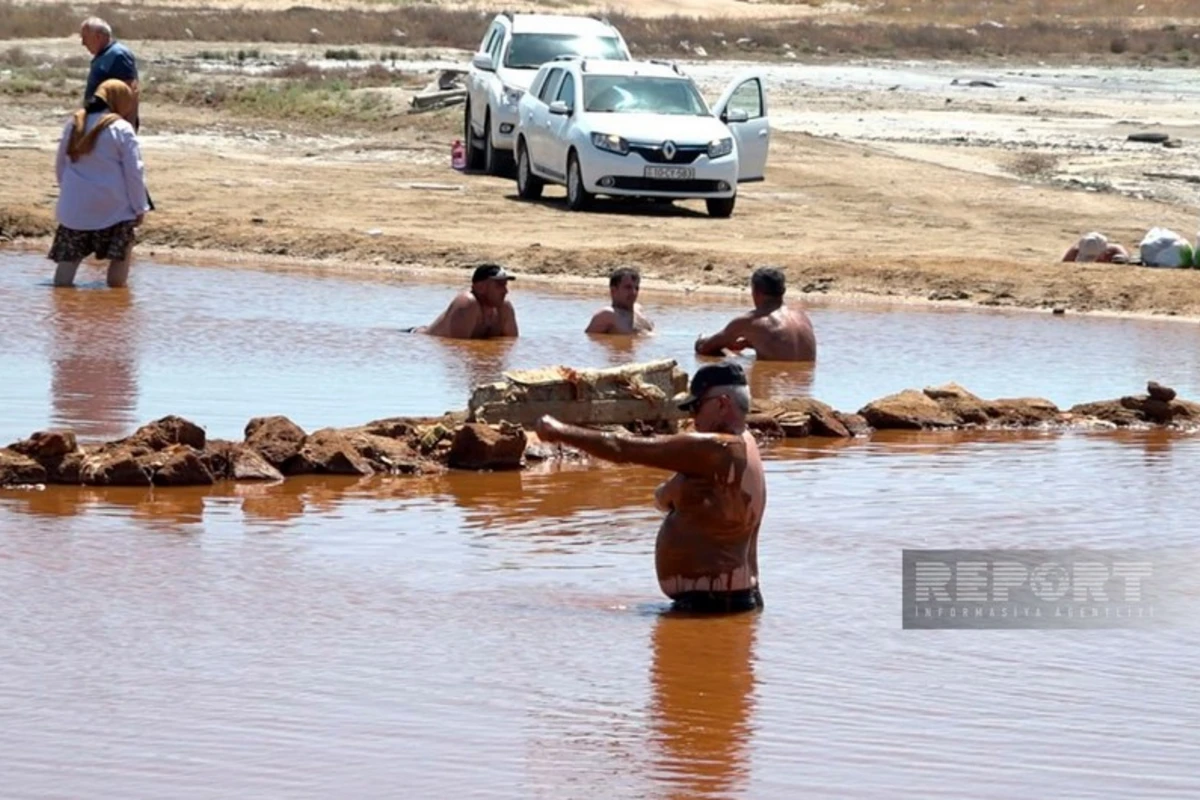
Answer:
(736, 115)
(483, 61)
(559, 107)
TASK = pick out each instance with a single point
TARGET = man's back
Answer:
(114, 61)
(785, 334)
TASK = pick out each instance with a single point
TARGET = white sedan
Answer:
(640, 129)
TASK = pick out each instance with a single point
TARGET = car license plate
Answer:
(671, 173)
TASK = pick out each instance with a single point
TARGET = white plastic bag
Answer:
(1163, 248)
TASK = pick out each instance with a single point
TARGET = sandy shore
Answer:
(884, 180)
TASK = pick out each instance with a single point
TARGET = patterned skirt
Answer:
(112, 243)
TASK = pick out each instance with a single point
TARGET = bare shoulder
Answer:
(602, 321)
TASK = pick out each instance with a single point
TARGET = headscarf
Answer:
(121, 103)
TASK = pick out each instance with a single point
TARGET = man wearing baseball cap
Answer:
(706, 554)
(483, 312)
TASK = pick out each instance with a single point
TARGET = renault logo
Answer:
(668, 150)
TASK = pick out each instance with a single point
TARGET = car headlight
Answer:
(720, 147)
(610, 142)
(512, 96)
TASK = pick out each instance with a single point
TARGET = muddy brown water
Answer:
(501, 635)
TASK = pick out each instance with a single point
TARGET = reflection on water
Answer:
(702, 703)
(94, 360)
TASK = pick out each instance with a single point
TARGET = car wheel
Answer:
(578, 198)
(491, 156)
(474, 157)
(721, 206)
(529, 186)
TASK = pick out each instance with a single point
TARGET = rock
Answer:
(385, 454)
(804, 416)
(950, 391)
(18, 468)
(46, 445)
(277, 438)
(700, 51)
(765, 424)
(909, 409)
(237, 461)
(170, 430)
(1108, 411)
(1152, 137)
(854, 423)
(794, 425)
(247, 464)
(119, 465)
(480, 446)
(182, 466)
(398, 34)
(327, 451)
(1158, 392)
(66, 469)
(1020, 412)
(392, 427)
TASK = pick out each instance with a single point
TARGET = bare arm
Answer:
(508, 320)
(602, 322)
(689, 453)
(731, 336)
(1070, 254)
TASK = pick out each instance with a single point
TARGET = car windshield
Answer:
(531, 50)
(640, 94)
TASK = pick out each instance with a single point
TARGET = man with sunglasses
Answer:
(706, 555)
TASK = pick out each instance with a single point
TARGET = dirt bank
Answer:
(889, 200)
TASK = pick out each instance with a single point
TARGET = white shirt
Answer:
(105, 186)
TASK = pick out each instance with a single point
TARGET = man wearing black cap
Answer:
(484, 312)
(774, 331)
(706, 555)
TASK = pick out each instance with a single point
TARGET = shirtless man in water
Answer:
(774, 331)
(482, 313)
(706, 555)
(624, 316)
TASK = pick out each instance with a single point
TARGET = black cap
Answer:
(727, 373)
(491, 272)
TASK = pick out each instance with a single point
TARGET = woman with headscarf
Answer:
(102, 191)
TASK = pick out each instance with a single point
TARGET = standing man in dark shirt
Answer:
(110, 59)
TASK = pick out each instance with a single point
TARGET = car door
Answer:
(540, 123)
(477, 88)
(557, 140)
(753, 134)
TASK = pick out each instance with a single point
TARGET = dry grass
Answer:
(933, 28)
(1023, 12)
(1034, 165)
